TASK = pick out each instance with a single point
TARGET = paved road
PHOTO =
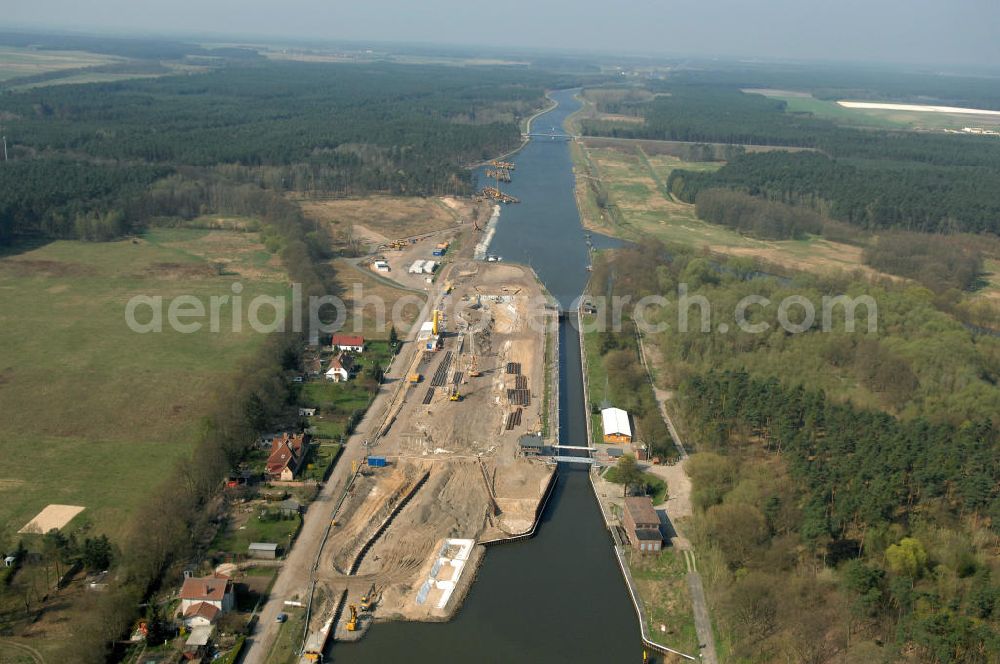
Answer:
(296, 575)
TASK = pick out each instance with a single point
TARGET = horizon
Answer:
(808, 33)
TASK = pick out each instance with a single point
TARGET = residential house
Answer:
(287, 454)
(340, 368)
(348, 342)
(616, 426)
(204, 598)
(642, 524)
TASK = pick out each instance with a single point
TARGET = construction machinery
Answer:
(455, 395)
(414, 378)
(494, 193)
(498, 174)
(352, 623)
(506, 165)
(368, 599)
(438, 323)
(474, 371)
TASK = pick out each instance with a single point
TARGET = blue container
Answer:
(377, 462)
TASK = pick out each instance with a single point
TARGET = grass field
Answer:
(94, 413)
(18, 62)
(634, 183)
(377, 219)
(879, 118)
(662, 584)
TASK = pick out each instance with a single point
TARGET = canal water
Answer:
(558, 597)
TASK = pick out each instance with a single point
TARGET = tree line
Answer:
(870, 178)
(84, 156)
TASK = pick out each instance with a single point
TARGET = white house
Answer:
(204, 598)
(348, 342)
(616, 426)
(340, 368)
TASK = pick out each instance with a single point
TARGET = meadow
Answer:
(18, 62)
(634, 182)
(95, 414)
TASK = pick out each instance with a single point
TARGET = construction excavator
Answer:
(368, 599)
(455, 395)
(474, 371)
(352, 623)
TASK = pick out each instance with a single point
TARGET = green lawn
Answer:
(286, 645)
(267, 528)
(95, 414)
(662, 585)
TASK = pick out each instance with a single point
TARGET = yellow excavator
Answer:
(352, 623)
(455, 395)
(368, 599)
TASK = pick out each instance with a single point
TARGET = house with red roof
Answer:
(340, 368)
(205, 598)
(288, 451)
(348, 342)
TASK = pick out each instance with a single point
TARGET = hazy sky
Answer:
(924, 31)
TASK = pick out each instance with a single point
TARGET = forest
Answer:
(335, 129)
(869, 178)
(845, 481)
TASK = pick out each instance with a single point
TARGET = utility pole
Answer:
(5, 149)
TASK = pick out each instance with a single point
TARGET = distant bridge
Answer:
(554, 137)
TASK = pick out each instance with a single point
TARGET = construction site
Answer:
(499, 171)
(443, 472)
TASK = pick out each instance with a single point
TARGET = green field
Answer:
(18, 62)
(877, 118)
(662, 584)
(634, 182)
(94, 413)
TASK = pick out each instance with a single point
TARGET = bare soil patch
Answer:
(52, 516)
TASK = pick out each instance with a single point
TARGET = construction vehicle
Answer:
(368, 599)
(455, 395)
(414, 378)
(436, 330)
(474, 371)
(352, 623)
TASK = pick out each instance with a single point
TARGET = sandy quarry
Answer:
(455, 472)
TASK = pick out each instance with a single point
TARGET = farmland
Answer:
(639, 206)
(18, 62)
(798, 102)
(104, 411)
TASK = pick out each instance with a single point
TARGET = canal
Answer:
(558, 597)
